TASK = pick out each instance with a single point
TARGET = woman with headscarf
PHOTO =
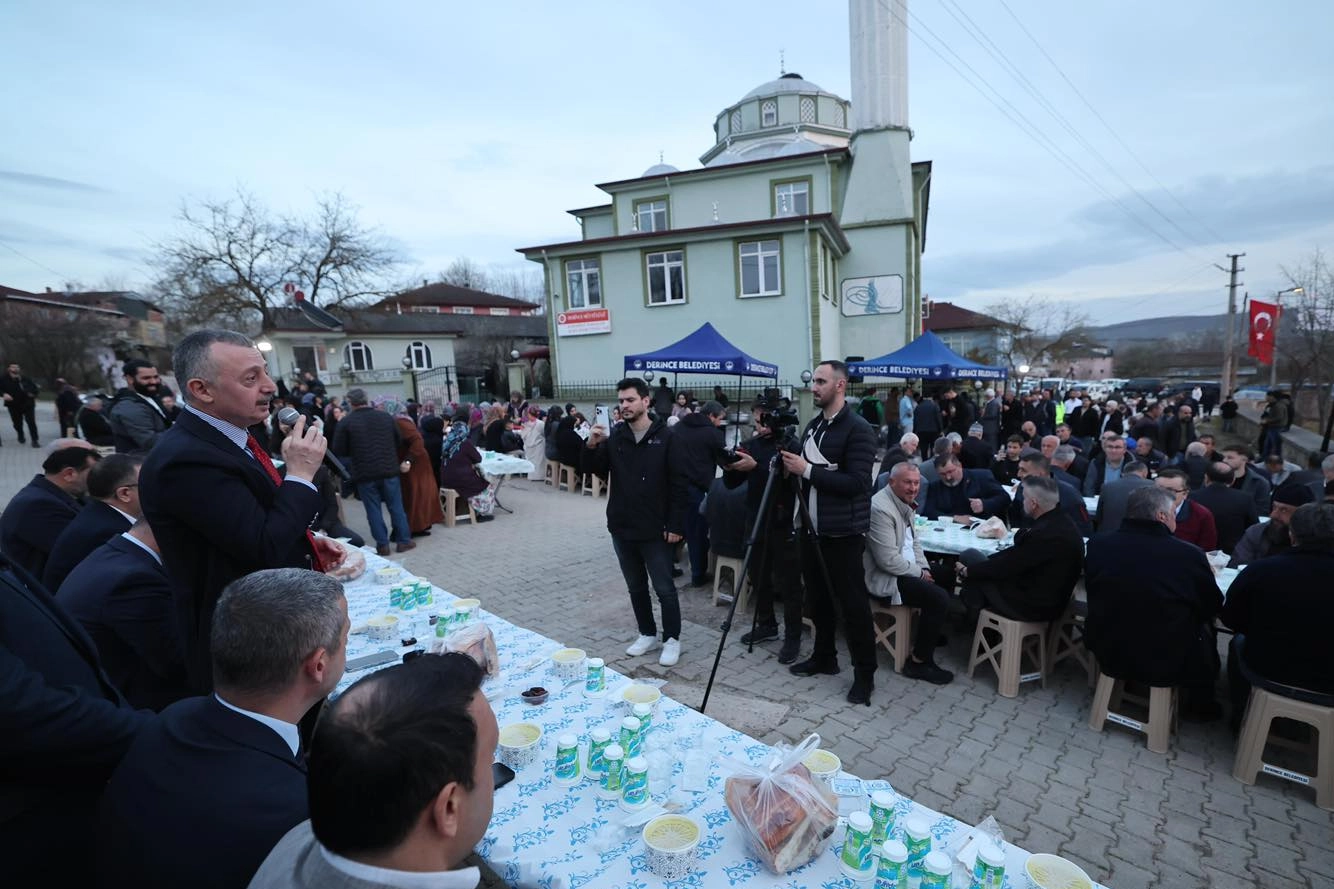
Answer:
(432, 426)
(459, 459)
(421, 493)
(476, 428)
(535, 443)
(549, 431)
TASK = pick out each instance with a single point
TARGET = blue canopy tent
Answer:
(706, 351)
(926, 358)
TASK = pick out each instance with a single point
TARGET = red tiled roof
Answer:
(450, 295)
(948, 316)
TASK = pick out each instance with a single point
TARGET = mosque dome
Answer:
(792, 82)
(659, 169)
(782, 117)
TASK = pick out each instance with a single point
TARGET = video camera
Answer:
(779, 418)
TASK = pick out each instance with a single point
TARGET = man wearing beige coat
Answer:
(897, 571)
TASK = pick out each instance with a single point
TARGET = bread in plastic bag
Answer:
(477, 641)
(992, 529)
(787, 817)
(352, 566)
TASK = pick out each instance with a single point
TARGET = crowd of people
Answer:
(170, 635)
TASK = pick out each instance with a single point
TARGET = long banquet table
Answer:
(545, 835)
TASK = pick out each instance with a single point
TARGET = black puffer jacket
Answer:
(843, 495)
(647, 496)
(697, 446)
(371, 438)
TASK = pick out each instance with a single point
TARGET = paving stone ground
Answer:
(1129, 817)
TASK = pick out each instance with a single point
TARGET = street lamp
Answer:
(806, 377)
(1023, 374)
(264, 346)
(1273, 335)
(514, 354)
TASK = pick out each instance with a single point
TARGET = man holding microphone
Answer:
(214, 499)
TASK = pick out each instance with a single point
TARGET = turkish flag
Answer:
(1264, 324)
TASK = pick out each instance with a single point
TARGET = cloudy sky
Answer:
(1203, 128)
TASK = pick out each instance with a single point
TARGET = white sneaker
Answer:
(643, 645)
(671, 653)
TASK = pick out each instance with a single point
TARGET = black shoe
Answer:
(860, 693)
(486, 518)
(36, 443)
(421, 533)
(677, 572)
(761, 633)
(22, 440)
(813, 665)
(788, 653)
(927, 670)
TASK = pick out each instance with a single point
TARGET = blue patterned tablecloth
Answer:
(553, 837)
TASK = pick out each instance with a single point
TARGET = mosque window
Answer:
(807, 109)
(760, 268)
(792, 198)
(358, 355)
(583, 283)
(734, 121)
(420, 355)
(840, 116)
(666, 277)
(651, 215)
(769, 113)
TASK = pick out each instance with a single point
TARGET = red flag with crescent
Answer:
(1264, 324)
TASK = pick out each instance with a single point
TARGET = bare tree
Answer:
(1305, 343)
(1037, 329)
(464, 272)
(51, 341)
(230, 260)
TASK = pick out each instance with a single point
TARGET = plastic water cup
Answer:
(857, 859)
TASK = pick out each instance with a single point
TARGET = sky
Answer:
(1181, 131)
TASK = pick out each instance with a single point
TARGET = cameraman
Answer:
(776, 541)
(838, 451)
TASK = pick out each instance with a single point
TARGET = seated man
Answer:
(1032, 464)
(1147, 454)
(44, 507)
(1282, 607)
(1006, 468)
(1246, 477)
(1032, 580)
(204, 794)
(973, 452)
(1116, 494)
(1196, 464)
(1152, 600)
(1062, 467)
(1271, 538)
(1233, 510)
(121, 595)
(112, 507)
(1195, 523)
(416, 739)
(962, 495)
(896, 570)
(1107, 466)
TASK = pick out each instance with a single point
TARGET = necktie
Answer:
(262, 457)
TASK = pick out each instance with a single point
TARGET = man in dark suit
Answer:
(204, 794)
(44, 507)
(975, 453)
(1116, 494)
(1195, 463)
(120, 594)
(1071, 501)
(1152, 600)
(20, 397)
(253, 519)
(65, 729)
(1032, 580)
(113, 506)
(92, 424)
(965, 495)
(927, 423)
(1233, 510)
(1062, 467)
(1107, 466)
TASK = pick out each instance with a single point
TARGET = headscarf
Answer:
(455, 437)
(391, 406)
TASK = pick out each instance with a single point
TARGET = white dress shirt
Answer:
(237, 436)
(286, 730)
(463, 878)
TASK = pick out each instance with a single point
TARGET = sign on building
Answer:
(581, 322)
(879, 295)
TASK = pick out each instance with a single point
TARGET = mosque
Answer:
(799, 237)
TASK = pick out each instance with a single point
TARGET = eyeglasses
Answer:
(1174, 491)
(118, 487)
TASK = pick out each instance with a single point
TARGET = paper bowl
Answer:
(1053, 872)
(520, 744)
(388, 576)
(824, 765)
(569, 663)
(672, 845)
(473, 605)
(382, 628)
(639, 693)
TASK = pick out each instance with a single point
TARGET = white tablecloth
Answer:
(494, 463)
(549, 836)
(950, 538)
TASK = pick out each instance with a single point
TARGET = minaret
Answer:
(878, 30)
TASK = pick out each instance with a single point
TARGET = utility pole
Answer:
(1228, 382)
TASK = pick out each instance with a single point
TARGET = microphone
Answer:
(288, 417)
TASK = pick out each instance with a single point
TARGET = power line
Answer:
(1094, 111)
(41, 265)
(979, 35)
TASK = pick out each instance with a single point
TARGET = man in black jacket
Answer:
(279, 646)
(838, 451)
(927, 423)
(697, 451)
(91, 422)
(956, 493)
(1152, 600)
(137, 420)
(20, 397)
(1246, 477)
(1233, 510)
(65, 729)
(1032, 580)
(44, 507)
(371, 439)
(1071, 502)
(645, 513)
(112, 507)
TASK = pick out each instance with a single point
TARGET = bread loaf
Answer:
(787, 817)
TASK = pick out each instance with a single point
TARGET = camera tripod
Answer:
(765, 517)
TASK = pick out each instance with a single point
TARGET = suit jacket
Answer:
(1151, 600)
(32, 521)
(926, 417)
(1195, 468)
(1112, 502)
(1255, 486)
(883, 559)
(1037, 575)
(1233, 513)
(121, 596)
(942, 500)
(976, 454)
(200, 800)
(65, 725)
(95, 524)
(249, 523)
(1072, 504)
(297, 863)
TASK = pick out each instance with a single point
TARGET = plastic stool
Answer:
(449, 500)
(740, 585)
(895, 633)
(1066, 640)
(593, 484)
(568, 479)
(1162, 706)
(1261, 710)
(1017, 638)
(553, 473)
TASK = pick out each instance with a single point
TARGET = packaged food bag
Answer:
(353, 565)
(476, 641)
(786, 815)
(992, 529)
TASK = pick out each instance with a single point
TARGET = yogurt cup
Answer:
(672, 845)
(520, 744)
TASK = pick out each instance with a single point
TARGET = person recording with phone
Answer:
(775, 563)
(697, 452)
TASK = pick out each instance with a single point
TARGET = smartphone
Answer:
(502, 774)
(371, 660)
(602, 417)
